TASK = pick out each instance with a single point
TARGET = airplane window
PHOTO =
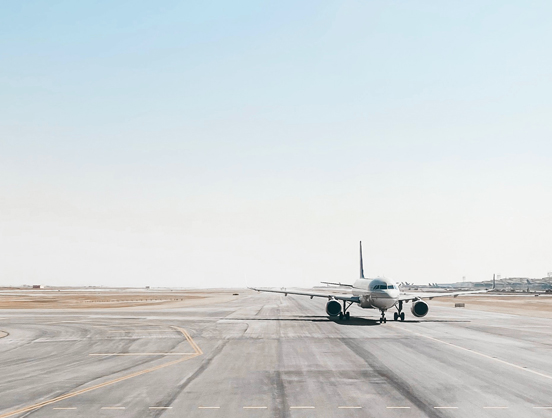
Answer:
(376, 287)
(384, 286)
(390, 286)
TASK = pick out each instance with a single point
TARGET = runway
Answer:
(267, 355)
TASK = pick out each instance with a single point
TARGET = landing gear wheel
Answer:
(385, 320)
(402, 316)
(381, 320)
(395, 316)
(341, 316)
(347, 316)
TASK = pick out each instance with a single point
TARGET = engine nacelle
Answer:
(419, 308)
(333, 308)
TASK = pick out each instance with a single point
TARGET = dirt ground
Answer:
(526, 305)
(90, 299)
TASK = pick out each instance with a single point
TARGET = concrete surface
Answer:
(266, 355)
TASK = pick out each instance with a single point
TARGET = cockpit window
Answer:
(390, 286)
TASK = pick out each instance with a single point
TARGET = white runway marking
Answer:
(469, 350)
(141, 354)
(143, 330)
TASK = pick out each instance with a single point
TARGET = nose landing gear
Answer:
(383, 319)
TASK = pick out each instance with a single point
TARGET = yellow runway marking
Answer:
(197, 350)
(192, 342)
(469, 350)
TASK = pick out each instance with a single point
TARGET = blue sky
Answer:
(235, 143)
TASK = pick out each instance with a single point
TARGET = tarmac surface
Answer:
(267, 355)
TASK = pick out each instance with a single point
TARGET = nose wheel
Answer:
(383, 319)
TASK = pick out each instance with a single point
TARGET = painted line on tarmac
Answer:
(142, 330)
(469, 350)
(143, 354)
(196, 348)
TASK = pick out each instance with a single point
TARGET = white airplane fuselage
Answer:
(379, 293)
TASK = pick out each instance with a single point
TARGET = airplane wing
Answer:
(338, 284)
(286, 292)
(406, 297)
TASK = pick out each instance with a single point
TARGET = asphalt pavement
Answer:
(267, 355)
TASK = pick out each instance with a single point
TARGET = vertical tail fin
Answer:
(361, 266)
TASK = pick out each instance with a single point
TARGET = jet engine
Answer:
(333, 308)
(419, 308)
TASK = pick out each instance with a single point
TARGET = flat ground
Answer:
(265, 355)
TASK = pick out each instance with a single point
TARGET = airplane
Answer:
(378, 293)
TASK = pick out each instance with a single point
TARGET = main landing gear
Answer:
(383, 319)
(400, 314)
(345, 315)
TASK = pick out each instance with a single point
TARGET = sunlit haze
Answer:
(226, 143)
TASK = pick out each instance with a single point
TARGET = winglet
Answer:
(361, 267)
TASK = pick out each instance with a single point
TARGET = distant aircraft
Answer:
(379, 293)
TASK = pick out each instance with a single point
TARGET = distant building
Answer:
(38, 286)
